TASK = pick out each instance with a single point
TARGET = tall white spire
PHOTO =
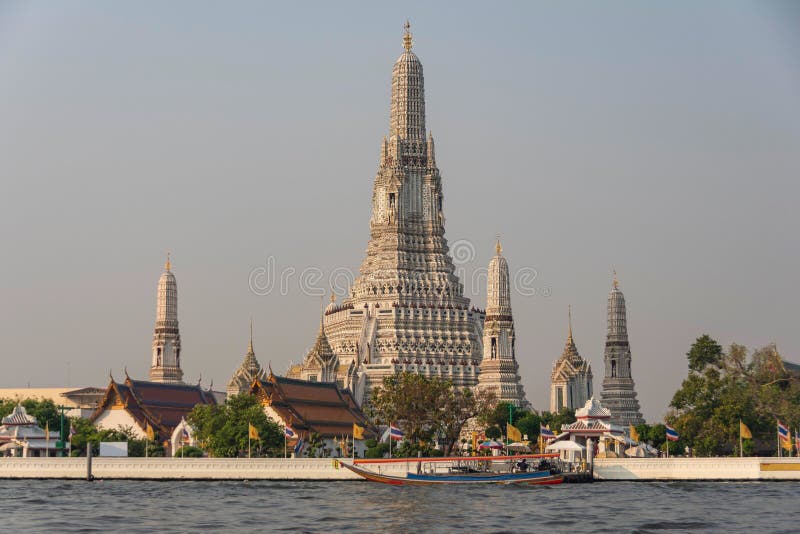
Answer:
(499, 367)
(619, 394)
(165, 365)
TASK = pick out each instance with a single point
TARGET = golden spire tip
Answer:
(570, 321)
(168, 265)
(616, 282)
(407, 39)
(498, 247)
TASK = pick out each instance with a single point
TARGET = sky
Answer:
(660, 139)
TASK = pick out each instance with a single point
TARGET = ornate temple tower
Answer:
(499, 368)
(406, 310)
(250, 369)
(618, 393)
(166, 362)
(571, 379)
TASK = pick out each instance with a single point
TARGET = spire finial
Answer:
(168, 265)
(498, 247)
(616, 282)
(407, 39)
(250, 346)
(570, 321)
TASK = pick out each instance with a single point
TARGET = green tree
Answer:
(565, 416)
(222, 430)
(704, 352)
(411, 400)
(723, 388)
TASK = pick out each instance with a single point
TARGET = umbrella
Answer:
(521, 446)
(636, 452)
(491, 444)
(565, 446)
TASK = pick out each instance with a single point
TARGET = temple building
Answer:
(21, 435)
(311, 408)
(321, 364)
(136, 404)
(248, 371)
(571, 379)
(406, 311)
(166, 359)
(618, 394)
(499, 371)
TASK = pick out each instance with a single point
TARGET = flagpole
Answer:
(390, 440)
(779, 442)
(284, 443)
(741, 451)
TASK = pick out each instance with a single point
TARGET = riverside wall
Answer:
(324, 468)
(184, 468)
(697, 468)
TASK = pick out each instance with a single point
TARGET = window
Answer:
(312, 378)
(613, 368)
(494, 348)
(391, 200)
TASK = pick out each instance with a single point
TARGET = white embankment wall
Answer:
(187, 468)
(324, 468)
(697, 469)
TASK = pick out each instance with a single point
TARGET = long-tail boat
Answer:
(455, 476)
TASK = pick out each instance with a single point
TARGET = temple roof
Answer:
(19, 417)
(593, 409)
(307, 407)
(162, 405)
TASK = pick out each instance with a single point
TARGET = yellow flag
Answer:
(513, 432)
(358, 431)
(47, 430)
(744, 432)
(634, 434)
(474, 442)
(252, 431)
(151, 435)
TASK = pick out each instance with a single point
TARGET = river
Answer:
(191, 506)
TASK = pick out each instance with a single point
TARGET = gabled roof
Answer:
(162, 406)
(19, 417)
(307, 407)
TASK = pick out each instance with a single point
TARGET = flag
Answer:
(672, 434)
(72, 431)
(185, 438)
(395, 433)
(288, 433)
(634, 434)
(252, 432)
(358, 431)
(299, 447)
(744, 432)
(513, 432)
(474, 441)
(47, 430)
(796, 440)
(783, 431)
(546, 433)
(151, 435)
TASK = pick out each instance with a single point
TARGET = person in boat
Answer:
(522, 466)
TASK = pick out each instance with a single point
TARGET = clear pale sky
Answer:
(660, 139)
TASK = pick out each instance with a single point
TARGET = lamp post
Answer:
(60, 442)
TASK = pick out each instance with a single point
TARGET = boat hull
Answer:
(536, 478)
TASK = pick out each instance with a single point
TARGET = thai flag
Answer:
(395, 433)
(299, 447)
(546, 433)
(796, 440)
(288, 432)
(783, 431)
(185, 435)
(72, 431)
(672, 434)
